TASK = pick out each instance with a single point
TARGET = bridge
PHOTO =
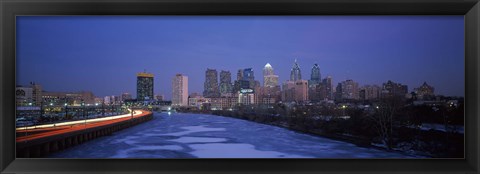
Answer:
(41, 140)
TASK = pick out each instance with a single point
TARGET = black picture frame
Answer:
(11, 8)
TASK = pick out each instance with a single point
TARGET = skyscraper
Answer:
(211, 84)
(240, 74)
(295, 73)
(269, 78)
(301, 90)
(226, 86)
(268, 70)
(236, 83)
(180, 90)
(248, 79)
(348, 90)
(248, 74)
(144, 86)
(338, 92)
(327, 82)
(316, 89)
(315, 77)
(269, 93)
(288, 91)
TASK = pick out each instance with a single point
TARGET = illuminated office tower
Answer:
(211, 84)
(144, 86)
(327, 82)
(248, 74)
(180, 90)
(268, 70)
(269, 78)
(249, 77)
(226, 86)
(315, 77)
(240, 74)
(295, 73)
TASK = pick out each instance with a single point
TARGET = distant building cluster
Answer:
(245, 90)
(33, 95)
(220, 93)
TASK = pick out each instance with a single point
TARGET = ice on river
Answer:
(198, 140)
(224, 150)
(193, 129)
(182, 135)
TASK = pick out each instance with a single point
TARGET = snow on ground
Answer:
(181, 135)
(441, 127)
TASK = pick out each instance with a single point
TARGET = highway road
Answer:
(70, 123)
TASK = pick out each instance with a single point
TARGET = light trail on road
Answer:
(137, 112)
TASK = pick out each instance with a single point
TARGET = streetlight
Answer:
(96, 110)
(344, 107)
(84, 116)
(66, 113)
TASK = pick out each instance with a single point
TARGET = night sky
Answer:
(102, 54)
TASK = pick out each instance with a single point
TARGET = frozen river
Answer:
(182, 135)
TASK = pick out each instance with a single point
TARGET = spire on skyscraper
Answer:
(295, 73)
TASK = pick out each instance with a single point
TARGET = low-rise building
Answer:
(71, 98)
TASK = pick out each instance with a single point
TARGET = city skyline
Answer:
(435, 57)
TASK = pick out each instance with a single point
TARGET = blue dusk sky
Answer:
(102, 54)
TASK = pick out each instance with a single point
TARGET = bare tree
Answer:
(384, 118)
